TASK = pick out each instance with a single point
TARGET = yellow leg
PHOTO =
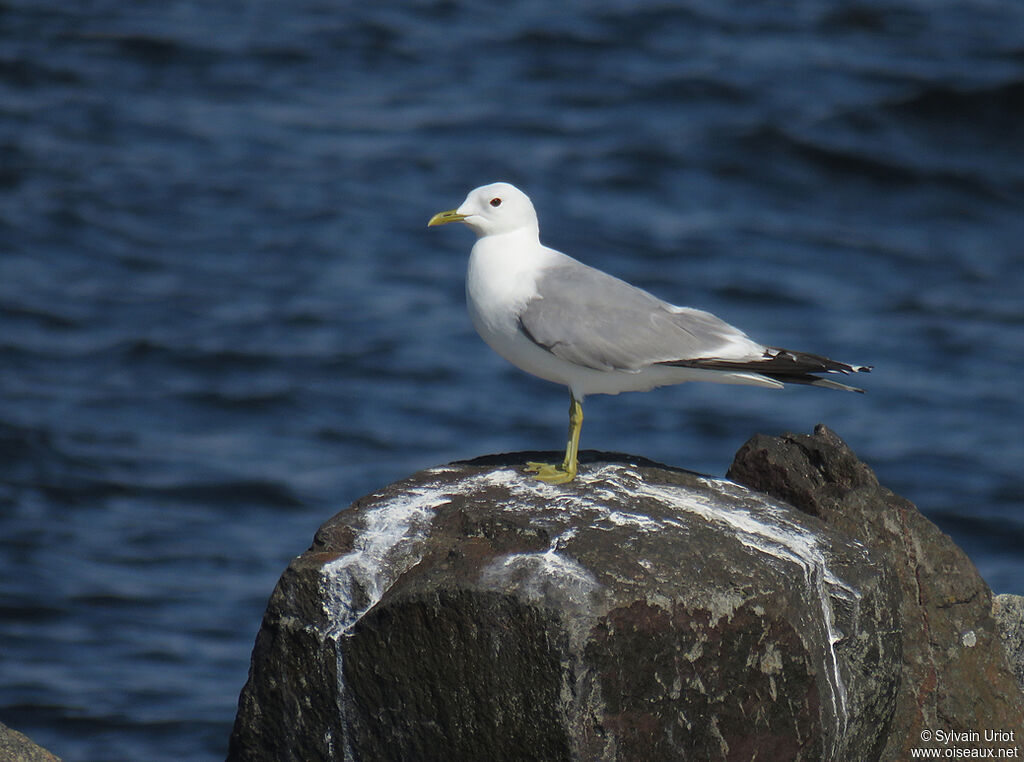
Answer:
(552, 474)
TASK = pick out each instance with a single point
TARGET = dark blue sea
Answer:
(223, 318)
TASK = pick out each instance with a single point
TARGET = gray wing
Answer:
(590, 318)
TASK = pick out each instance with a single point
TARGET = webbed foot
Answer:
(550, 473)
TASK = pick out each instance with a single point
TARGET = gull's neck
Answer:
(514, 254)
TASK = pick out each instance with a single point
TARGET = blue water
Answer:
(222, 316)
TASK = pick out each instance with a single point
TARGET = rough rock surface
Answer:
(17, 747)
(1008, 611)
(639, 613)
(955, 673)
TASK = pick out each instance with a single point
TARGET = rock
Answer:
(955, 674)
(1008, 611)
(17, 747)
(639, 613)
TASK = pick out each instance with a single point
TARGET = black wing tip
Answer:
(787, 367)
(847, 370)
(820, 382)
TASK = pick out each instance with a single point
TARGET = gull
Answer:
(574, 325)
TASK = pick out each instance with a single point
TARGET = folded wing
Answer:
(592, 319)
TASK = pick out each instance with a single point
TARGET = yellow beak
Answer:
(443, 218)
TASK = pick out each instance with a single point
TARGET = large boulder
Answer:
(638, 613)
(956, 681)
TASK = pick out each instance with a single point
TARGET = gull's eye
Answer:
(495, 202)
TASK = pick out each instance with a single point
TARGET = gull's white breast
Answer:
(500, 280)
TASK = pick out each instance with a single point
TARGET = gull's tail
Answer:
(785, 366)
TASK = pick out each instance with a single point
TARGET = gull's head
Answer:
(491, 210)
